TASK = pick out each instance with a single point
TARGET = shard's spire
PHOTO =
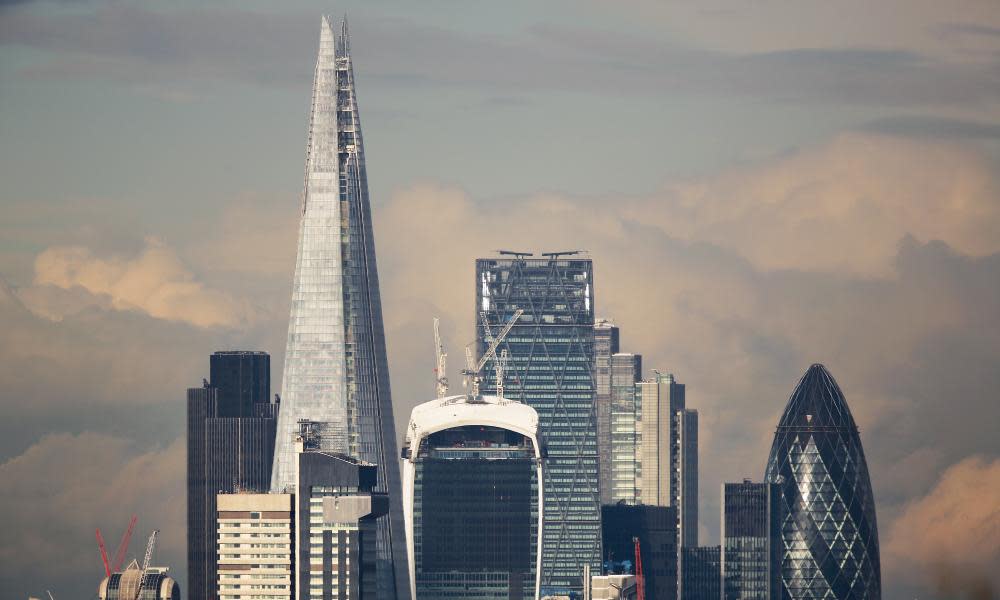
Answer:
(336, 371)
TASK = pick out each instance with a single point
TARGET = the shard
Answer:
(828, 531)
(336, 370)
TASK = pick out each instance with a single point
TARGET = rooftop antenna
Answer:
(440, 377)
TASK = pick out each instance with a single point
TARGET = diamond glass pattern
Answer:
(828, 526)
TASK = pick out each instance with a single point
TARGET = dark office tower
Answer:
(335, 361)
(472, 466)
(626, 423)
(243, 380)
(700, 573)
(551, 356)
(605, 345)
(230, 432)
(828, 527)
(751, 541)
(684, 460)
(656, 528)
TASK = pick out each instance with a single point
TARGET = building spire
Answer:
(344, 42)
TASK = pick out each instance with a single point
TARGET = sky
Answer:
(761, 185)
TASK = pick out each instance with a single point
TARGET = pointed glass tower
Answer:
(336, 371)
(829, 533)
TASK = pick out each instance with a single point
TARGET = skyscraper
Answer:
(230, 431)
(335, 370)
(471, 477)
(626, 423)
(551, 356)
(605, 345)
(751, 541)
(828, 528)
(656, 528)
(700, 579)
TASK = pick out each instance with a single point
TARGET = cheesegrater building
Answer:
(550, 359)
(828, 529)
(335, 370)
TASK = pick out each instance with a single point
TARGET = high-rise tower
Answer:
(551, 360)
(828, 511)
(336, 371)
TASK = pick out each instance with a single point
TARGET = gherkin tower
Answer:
(829, 533)
(336, 372)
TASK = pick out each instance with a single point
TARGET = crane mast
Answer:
(145, 563)
(440, 372)
(472, 371)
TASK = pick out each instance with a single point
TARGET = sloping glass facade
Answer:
(829, 533)
(551, 357)
(336, 371)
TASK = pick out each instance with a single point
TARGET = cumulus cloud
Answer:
(64, 486)
(952, 534)
(843, 205)
(155, 282)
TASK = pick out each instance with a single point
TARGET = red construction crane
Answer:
(104, 554)
(640, 582)
(109, 567)
(123, 546)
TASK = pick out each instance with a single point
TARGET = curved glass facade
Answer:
(828, 530)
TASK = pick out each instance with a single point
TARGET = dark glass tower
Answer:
(656, 528)
(828, 528)
(336, 372)
(551, 357)
(230, 432)
(700, 573)
(751, 541)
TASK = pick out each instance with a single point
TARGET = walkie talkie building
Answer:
(828, 529)
(336, 371)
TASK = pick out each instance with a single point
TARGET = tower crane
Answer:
(640, 581)
(472, 370)
(145, 563)
(440, 373)
(113, 567)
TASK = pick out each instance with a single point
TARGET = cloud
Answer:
(952, 534)
(64, 486)
(839, 206)
(185, 51)
(934, 128)
(155, 282)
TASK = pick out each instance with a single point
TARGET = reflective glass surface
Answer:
(828, 530)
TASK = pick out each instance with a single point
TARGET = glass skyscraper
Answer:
(551, 357)
(605, 345)
(828, 528)
(336, 371)
(751, 541)
(626, 424)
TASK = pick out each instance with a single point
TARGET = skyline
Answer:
(866, 240)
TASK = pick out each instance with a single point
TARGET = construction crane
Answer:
(472, 371)
(145, 563)
(123, 545)
(556, 255)
(640, 582)
(114, 567)
(440, 373)
(501, 366)
(104, 554)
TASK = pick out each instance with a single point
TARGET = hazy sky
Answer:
(762, 185)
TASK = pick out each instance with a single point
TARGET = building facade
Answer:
(156, 585)
(231, 427)
(614, 587)
(829, 531)
(656, 528)
(700, 573)
(551, 358)
(255, 541)
(472, 469)
(606, 344)
(335, 368)
(626, 428)
(751, 541)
